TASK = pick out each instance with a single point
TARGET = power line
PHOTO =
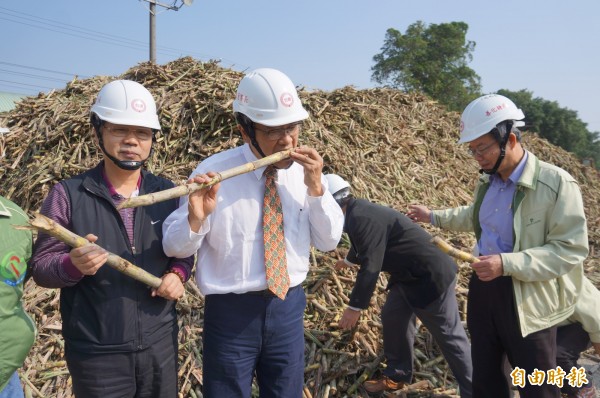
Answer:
(54, 79)
(44, 70)
(72, 35)
(90, 34)
(11, 89)
(65, 26)
(33, 21)
(25, 84)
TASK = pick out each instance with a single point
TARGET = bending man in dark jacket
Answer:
(421, 284)
(120, 336)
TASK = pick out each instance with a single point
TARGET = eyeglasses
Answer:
(142, 134)
(277, 133)
(480, 151)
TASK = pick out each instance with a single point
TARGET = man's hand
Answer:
(340, 264)
(170, 288)
(488, 268)
(313, 167)
(349, 319)
(88, 259)
(203, 202)
(419, 213)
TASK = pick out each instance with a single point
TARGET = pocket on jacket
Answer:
(541, 299)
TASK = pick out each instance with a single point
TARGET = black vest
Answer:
(110, 311)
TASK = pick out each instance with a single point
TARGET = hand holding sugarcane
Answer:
(312, 163)
(88, 258)
(49, 226)
(202, 202)
(487, 268)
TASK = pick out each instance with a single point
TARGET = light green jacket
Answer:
(587, 310)
(550, 242)
(17, 330)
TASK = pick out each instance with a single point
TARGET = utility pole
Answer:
(153, 4)
(152, 32)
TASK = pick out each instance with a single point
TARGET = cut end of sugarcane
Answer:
(41, 222)
(452, 251)
(23, 227)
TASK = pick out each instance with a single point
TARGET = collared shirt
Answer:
(496, 213)
(230, 244)
(127, 214)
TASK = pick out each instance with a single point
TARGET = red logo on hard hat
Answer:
(495, 109)
(286, 99)
(138, 105)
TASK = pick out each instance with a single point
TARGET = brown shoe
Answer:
(382, 384)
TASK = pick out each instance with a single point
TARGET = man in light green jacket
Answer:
(531, 232)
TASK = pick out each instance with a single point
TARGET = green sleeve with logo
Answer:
(17, 330)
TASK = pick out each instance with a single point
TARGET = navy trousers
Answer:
(249, 334)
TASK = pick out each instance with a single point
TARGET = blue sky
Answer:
(549, 47)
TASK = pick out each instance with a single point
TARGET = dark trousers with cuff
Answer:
(493, 324)
(248, 334)
(442, 319)
(149, 373)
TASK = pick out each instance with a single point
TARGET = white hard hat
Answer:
(128, 103)
(269, 97)
(335, 183)
(483, 114)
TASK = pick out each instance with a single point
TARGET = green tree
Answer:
(432, 59)
(561, 126)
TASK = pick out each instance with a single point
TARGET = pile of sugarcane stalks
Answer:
(395, 148)
(337, 362)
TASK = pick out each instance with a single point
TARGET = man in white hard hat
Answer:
(120, 336)
(531, 232)
(250, 266)
(421, 284)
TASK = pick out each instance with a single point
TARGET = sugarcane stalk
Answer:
(49, 226)
(365, 375)
(186, 189)
(452, 251)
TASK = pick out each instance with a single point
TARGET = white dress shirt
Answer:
(229, 245)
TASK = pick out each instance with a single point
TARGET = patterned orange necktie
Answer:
(278, 280)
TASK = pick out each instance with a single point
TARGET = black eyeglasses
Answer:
(480, 151)
(276, 133)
